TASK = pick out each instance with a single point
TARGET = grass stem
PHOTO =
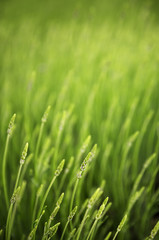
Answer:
(90, 235)
(73, 195)
(4, 171)
(45, 197)
(63, 233)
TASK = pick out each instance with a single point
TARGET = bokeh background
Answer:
(99, 60)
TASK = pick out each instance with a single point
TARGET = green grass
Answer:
(78, 76)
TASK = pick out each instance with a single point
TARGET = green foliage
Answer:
(79, 75)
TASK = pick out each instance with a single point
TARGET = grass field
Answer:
(83, 81)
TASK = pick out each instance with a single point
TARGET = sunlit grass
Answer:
(101, 84)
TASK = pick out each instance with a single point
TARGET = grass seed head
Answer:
(54, 213)
(94, 198)
(72, 233)
(60, 168)
(72, 214)
(85, 162)
(106, 201)
(154, 231)
(134, 198)
(87, 159)
(46, 114)
(108, 236)
(100, 212)
(52, 230)
(15, 195)
(79, 174)
(11, 125)
(123, 221)
(59, 201)
(32, 234)
(149, 160)
(24, 154)
(93, 152)
(101, 209)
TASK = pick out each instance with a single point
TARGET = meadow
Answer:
(79, 120)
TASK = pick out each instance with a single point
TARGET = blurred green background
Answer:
(100, 57)
(82, 11)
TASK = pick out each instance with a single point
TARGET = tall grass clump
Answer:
(80, 158)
